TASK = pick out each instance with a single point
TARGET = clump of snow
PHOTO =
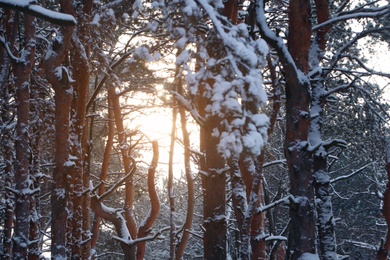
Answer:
(308, 256)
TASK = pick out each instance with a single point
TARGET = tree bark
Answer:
(129, 186)
(302, 237)
(6, 139)
(384, 250)
(144, 228)
(22, 71)
(63, 98)
(104, 171)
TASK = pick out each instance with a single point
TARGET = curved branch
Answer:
(154, 201)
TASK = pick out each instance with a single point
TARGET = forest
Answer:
(194, 129)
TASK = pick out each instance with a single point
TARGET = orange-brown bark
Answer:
(104, 170)
(154, 203)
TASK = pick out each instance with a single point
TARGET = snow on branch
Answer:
(234, 89)
(142, 239)
(271, 38)
(188, 106)
(338, 55)
(274, 204)
(9, 52)
(351, 174)
(371, 13)
(31, 8)
(328, 144)
(282, 161)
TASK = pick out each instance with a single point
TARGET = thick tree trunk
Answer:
(214, 182)
(6, 149)
(79, 138)
(326, 233)
(302, 237)
(22, 176)
(63, 99)
(384, 250)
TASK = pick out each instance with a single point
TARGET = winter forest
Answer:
(194, 129)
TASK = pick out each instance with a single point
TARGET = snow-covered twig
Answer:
(31, 8)
(194, 233)
(283, 161)
(351, 174)
(380, 11)
(336, 57)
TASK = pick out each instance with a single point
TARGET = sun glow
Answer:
(155, 123)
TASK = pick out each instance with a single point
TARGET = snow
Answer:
(69, 163)
(96, 19)
(308, 256)
(36, 10)
(183, 57)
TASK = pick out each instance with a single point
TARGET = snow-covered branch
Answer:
(336, 57)
(377, 12)
(274, 204)
(142, 239)
(189, 107)
(283, 161)
(8, 50)
(31, 8)
(351, 174)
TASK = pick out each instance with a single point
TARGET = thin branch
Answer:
(351, 174)
(372, 13)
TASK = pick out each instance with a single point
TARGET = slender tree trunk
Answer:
(154, 204)
(126, 157)
(170, 188)
(104, 171)
(190, 182)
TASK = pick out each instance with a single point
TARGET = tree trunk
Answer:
(79, 138)
(384, 250)
(6, 140)
(63, 99)
(146, 225)
(129, 186)
(22, 176)
(190, 183)
(104, 171)
(213, 182)
(302, 237)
